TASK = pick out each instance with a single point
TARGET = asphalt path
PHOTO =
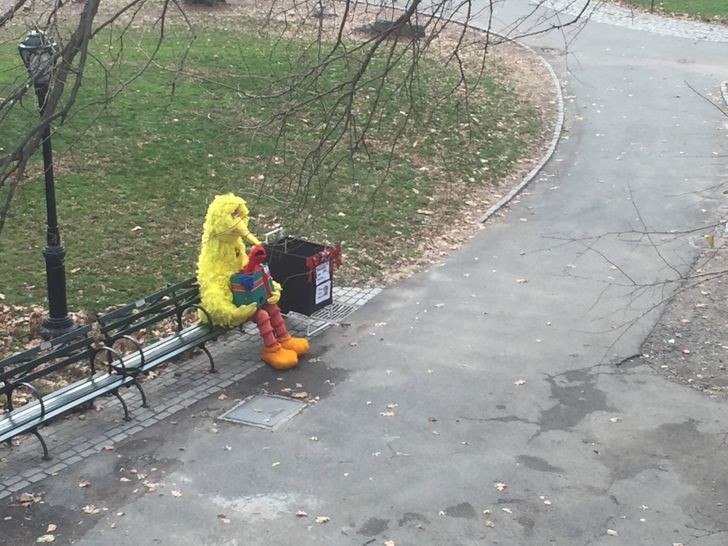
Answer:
(479, 402)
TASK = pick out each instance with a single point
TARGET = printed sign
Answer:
(323, 292)
(323, 272)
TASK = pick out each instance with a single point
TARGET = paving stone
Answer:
(56, 468)
(73, 459)
(11, 481)
(18, 486)
(38, 476)
(29, 472)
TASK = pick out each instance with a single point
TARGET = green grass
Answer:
(701, 8)
(134, 177)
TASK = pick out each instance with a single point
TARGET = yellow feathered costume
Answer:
(222, 253)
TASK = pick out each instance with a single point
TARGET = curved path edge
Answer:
(556, 136)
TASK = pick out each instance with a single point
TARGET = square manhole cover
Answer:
(264, 411)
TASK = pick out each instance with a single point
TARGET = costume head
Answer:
(227, 220)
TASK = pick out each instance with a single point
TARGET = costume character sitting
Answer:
(222, 254)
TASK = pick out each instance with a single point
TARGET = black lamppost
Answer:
(38, 52)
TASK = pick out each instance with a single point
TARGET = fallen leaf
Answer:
(51, 527)
(615, 419)
(612, 533)
(500, 486)
(113, 525)
(547, 502)
(124, 479)
(91, 509)
(386, 413)
(519, 382)
(322, 519)
(223, 518)
(26, 499)
(83, 484)
(521, 281)
(301, 514)
(222, 396)
(353, 344)
(275, 464)
(136, 228)
(107, 447)
(507, 510)
(389, 543)
(45, 538)
(176, 493)
(489, 523)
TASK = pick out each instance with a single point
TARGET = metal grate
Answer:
(263, 411)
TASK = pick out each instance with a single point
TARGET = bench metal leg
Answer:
(141, 392)
(46, 456)
(127, 417)
(209, 356)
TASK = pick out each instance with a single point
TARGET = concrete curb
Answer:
(724, 92)
(558, 128)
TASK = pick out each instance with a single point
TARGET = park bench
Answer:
(130, 323)
(118, 335)
(21, 370)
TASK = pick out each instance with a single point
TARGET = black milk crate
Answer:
(305, 270)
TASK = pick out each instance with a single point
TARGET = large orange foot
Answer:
(279, 357)
(297, 344)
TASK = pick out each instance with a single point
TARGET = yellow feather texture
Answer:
(226, 224)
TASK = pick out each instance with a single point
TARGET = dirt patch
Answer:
(689, 345)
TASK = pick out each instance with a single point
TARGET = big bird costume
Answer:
(222, 253)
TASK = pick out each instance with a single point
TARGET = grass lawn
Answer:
(702, 8)
(134, 177)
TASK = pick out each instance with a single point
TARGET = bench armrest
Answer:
(133, 341)
(197, 306)
(111, 366)
(35, 391)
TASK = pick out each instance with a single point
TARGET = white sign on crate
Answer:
(323, 292)
(323, 272)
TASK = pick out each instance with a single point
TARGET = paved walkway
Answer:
(600, 11)
(477, 402)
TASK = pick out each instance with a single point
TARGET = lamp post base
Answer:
(56, 327)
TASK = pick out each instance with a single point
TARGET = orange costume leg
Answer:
(297, 344)
(273, 352)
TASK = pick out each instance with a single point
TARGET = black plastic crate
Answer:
(305, 270)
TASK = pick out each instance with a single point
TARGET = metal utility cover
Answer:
(264, 411)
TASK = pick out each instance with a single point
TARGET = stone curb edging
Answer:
(558, 128)
(724, 92)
